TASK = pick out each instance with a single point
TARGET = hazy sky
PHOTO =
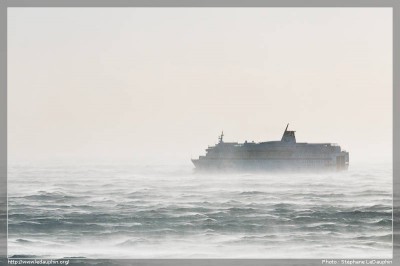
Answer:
(148, 84)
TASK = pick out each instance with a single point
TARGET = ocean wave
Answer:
(143, 210)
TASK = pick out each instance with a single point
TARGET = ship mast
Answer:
(221, 137)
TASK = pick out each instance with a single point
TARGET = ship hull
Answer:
(271, 165)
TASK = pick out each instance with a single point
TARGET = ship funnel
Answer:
(288, 136)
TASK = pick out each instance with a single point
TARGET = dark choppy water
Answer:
(127, 211)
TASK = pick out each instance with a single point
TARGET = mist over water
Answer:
(165, 211)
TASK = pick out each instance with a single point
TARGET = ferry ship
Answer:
(286, 154)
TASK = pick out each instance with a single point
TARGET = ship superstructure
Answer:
(286, 154)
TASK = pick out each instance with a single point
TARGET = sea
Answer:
(128, 211)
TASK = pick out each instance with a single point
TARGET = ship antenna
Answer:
(286, 127)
